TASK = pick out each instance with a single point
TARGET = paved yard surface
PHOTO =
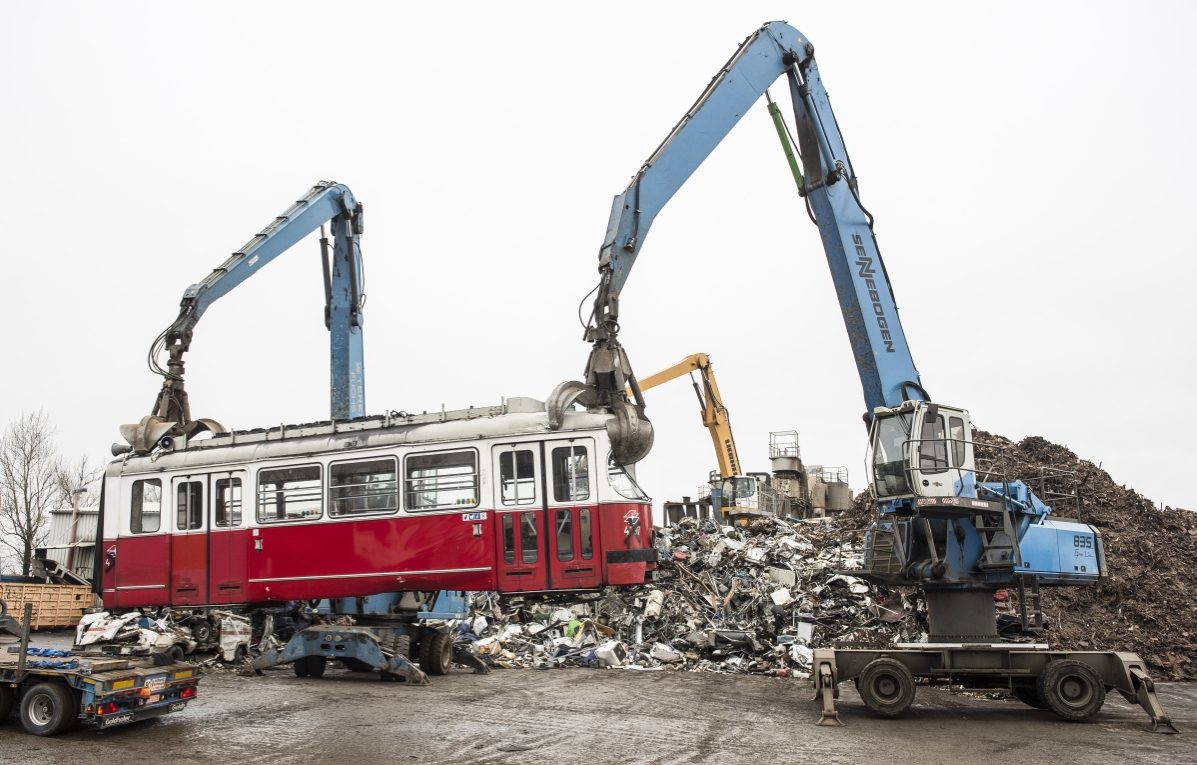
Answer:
(596, 716)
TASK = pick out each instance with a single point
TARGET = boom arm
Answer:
(887, 372)
(714, 413)
(326, 202)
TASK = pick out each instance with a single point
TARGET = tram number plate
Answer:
(473, 517)
(118, 720)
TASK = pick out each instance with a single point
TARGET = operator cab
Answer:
(920, 449)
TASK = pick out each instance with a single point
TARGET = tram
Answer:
(485, 498)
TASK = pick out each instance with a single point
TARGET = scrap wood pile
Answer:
(1146, 604)
(754, 599)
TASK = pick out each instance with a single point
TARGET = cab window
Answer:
(933, 449)
(956, 434)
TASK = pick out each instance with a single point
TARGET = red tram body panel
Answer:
(477, 499)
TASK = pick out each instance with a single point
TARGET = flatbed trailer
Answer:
(1073, 684)
(58, 695)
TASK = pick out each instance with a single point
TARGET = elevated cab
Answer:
(921, 449)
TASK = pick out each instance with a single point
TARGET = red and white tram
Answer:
(478, 499)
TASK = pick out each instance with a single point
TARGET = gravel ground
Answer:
(600, 716)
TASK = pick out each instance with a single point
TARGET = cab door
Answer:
(228, 539)
(519, 517)
(572, 514)
(188, 541)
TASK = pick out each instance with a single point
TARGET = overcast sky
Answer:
(1030, 167)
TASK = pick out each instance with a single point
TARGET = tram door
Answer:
(228, 540)
(188, 541)
(574, 559)
(520, 517)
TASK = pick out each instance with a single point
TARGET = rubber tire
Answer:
(202, 631)
(1072, 689)
(317, 665)
(176, 653)
(436, 653)
(886, 687)
(6, 702)
(1029, 696)
(300, 667)
(63, 709)
(239, 655)
(401, 644)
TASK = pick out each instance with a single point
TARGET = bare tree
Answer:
(30, 484)
(83, 473)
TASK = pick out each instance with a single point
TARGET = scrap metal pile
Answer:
(738, 599)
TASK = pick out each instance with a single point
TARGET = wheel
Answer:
(6, 699)
(239, 654)
(202, 630)
(887, 687)
(1072, 689)
(316, 666)
(436, 653)
(175, 653)
(300, 666)
(1029, 696)
(401, 646)
(48, 709)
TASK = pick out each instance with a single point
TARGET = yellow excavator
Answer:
(733, 494)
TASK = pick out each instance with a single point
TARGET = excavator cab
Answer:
(921, 449)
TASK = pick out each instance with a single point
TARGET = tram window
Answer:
(227, 500)
(289, 494)
(364, 487)
(571, 474)
(448, 479)
(517, 474)
(508, 539)
(956, 433)
(528, 538)
(189, 505)
(587, 533)
(565, 535)
(145, 515)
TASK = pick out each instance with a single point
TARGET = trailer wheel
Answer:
(1029, 696)
(6, 699)
(436, 653)
(48, 709)
(1072, 689)
(316, 666)
(887, 687)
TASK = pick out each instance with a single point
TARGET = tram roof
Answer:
(513, 417)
